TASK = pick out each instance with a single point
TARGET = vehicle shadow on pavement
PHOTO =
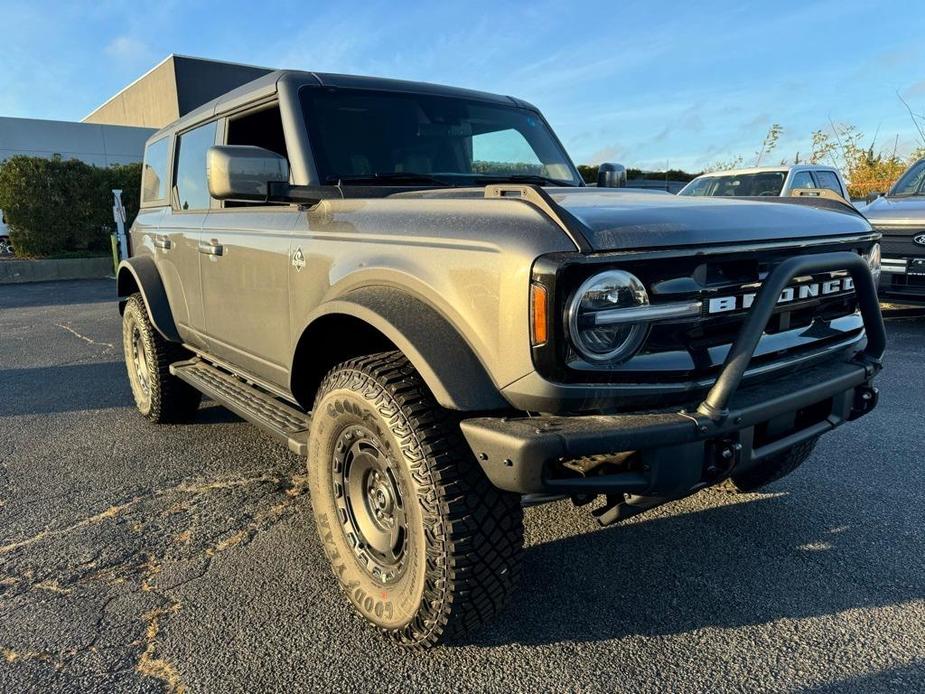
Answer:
(745, 563)
(76, 387)
(69, 388)
(907, 678)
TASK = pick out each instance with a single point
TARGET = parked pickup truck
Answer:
(900, 217)
(811, 180)
(411, 287)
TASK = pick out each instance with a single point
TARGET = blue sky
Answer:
(642, 83)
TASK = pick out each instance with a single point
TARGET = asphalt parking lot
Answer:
(144, 558)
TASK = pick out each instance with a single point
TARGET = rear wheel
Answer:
(159, 396)
(770, 470)
(424, 547)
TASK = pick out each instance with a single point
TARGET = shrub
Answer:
(55, 206)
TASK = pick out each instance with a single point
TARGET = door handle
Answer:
(162, 242)
(213, 247)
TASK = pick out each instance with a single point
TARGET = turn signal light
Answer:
(539, 315)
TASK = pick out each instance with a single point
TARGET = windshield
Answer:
(397, 138)
(753, 184)
(912, 182)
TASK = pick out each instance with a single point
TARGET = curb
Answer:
(21, 271)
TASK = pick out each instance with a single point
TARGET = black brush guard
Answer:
(732, 428)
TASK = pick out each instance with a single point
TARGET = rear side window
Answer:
(802, 179)
(828, 179)
(192, 184)
(154, 172)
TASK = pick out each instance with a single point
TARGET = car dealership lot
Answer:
(135, 557)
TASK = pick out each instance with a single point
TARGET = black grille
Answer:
(694, 349)
(897, 241)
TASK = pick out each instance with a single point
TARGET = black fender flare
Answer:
(142, 273)
(446, 362)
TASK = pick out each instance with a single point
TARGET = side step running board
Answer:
(281, 421)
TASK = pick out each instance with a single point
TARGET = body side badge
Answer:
(298, 260)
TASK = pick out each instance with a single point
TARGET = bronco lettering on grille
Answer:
(793, 293)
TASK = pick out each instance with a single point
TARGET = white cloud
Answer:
(129, 49)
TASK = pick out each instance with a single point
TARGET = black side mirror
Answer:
(611, 176)
(871, 197)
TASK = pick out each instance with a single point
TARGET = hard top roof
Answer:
(268, 84)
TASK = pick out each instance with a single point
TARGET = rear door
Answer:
(244, 263)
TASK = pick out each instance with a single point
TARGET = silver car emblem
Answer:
(298, 260)
(919, 239)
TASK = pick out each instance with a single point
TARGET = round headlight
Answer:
(595, 333)
(873, 261)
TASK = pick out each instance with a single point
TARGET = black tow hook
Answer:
(865, 399)
(725, 454)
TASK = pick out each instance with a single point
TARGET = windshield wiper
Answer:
(523, 178)
(387, 177)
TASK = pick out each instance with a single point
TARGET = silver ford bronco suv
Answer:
(411, 286)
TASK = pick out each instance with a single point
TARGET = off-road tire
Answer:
(770, 470)
(464, 537)
(161, 397)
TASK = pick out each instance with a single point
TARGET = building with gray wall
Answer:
(115, 133)
(100, 145)
(172, 88)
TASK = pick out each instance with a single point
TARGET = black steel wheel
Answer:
(370, 503)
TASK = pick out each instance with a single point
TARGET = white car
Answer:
(6, 247)
(774, 181)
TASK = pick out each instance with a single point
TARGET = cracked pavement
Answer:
(183, 558)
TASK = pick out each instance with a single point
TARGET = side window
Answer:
(802, 179)
(828, 179)
(263, 128)
(154, 172)
(191, 183)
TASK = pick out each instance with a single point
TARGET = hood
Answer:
(622, 219)
(617, 220)
(896, 211)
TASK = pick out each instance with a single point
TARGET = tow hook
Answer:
(725, 455)
(865, 399)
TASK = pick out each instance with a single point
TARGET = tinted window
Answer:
(154, 172)
(262, 128)
(749, 184)
(828, 179)
(192, 186)
(912, 182)
(373, 134)
(803, 179)
(699, 186)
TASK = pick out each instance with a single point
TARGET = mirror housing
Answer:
(243, 172)
(611, 176)
(871, 197)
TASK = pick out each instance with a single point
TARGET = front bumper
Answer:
(902, 280)
(674, 452)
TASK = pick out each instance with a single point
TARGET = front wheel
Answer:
(424, 547)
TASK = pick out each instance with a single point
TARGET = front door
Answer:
(177, 239)
(244, 265)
